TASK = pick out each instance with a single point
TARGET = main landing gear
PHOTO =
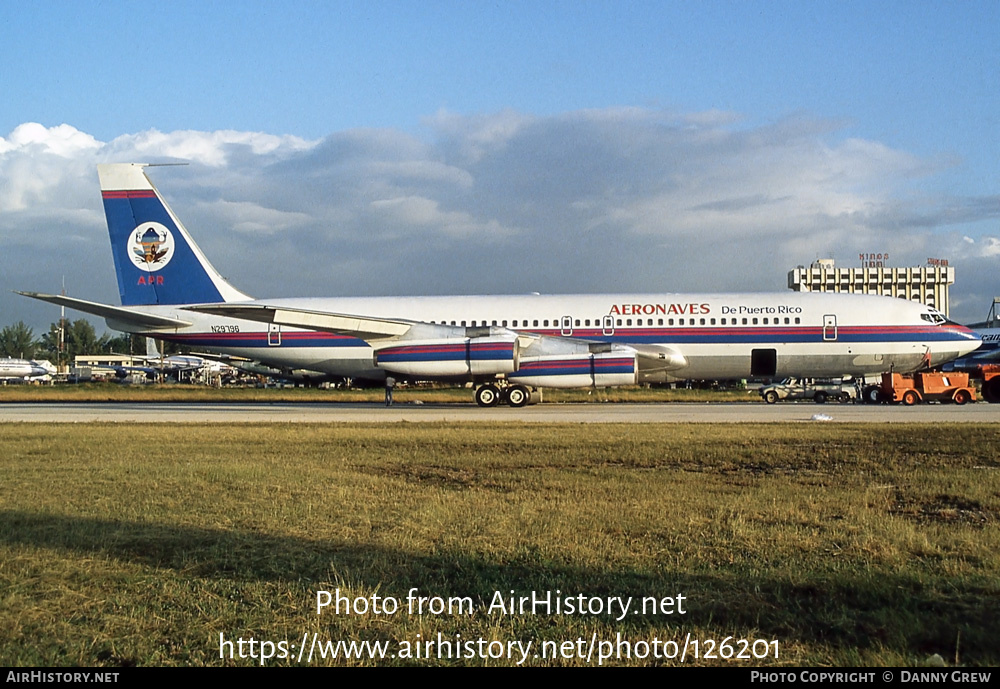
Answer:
(491, 394)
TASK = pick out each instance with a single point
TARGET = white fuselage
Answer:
(700, 336)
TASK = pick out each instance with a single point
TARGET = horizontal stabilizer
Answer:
(118, 313)
(363, 327)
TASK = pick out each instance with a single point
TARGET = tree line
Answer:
(18, 341)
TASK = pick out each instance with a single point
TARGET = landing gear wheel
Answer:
(872, 394)
(518, 396)
(487, 395)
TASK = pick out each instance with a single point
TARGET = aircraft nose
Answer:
(967, 340)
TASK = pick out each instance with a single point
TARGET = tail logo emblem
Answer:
(150, 246)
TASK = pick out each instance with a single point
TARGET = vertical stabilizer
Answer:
(156, 260)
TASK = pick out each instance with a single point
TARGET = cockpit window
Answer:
(933, 317)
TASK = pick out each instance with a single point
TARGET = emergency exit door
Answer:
(830, 327)
(273, 335)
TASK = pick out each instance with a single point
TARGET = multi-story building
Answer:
(927, 284)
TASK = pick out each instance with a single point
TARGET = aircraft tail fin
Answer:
(156, 260)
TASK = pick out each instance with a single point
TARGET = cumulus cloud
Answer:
(983, 247)
(991, 247)
(214, 149)
(251, 218)
(63, 140)
(621, 199)
(417, 212)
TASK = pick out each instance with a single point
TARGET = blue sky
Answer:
(694, 145)
(903, 72)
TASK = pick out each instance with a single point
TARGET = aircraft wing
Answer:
(363, 327)
(118, 313)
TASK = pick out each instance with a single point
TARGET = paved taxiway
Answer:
(146, 413)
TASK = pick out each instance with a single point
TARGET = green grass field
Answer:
(845, 545)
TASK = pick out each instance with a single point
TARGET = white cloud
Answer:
(246, 217)
(984, 247)
(208, 148)
(477, 136)
(39, 167)
(62, 140)
(417, 212)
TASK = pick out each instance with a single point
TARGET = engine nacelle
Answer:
(603, 369)
(450, 358)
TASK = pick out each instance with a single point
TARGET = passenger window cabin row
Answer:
(626, 322)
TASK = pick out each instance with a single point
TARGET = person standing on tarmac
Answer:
(390, 383)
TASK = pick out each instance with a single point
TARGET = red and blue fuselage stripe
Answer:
(564, 367)
(487, 351)
(668, 336)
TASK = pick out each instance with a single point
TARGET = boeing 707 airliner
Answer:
(505, 345)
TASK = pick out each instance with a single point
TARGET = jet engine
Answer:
(445, 358)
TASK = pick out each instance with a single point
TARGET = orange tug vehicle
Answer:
(925, 387)
(990, 373)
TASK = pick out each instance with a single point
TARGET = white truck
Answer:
(817, 390)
